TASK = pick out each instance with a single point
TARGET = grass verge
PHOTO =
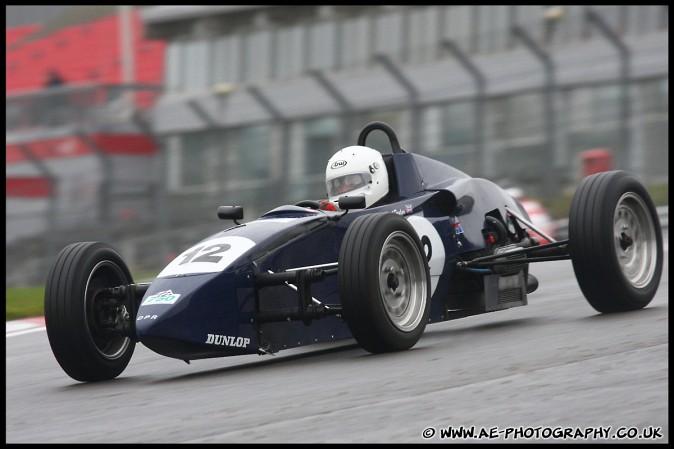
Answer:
(24, 302)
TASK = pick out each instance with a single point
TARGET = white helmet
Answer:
(357, 170)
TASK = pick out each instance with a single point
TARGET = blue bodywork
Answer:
(188, 314)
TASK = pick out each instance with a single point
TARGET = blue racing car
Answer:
(401, 241)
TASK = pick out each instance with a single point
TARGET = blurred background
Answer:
(132, 124)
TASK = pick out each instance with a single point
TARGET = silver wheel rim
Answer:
(402, 281)
(109, 348)
(634, 240)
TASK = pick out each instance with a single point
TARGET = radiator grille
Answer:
(510, 295)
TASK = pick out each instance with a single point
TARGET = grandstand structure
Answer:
(80, 151)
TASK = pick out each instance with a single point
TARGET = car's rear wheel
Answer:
(82, 324)
(384, 283)
(615, 242)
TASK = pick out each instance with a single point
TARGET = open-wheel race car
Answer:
(439, 245)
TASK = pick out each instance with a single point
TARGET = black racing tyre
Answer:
(615, 242)
(86, 351)
(384, 283)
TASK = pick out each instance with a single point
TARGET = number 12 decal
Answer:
(210, 256)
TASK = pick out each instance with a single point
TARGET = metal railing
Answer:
(84, 107)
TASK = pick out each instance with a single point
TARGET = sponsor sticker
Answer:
(165, 297)
(227, 340)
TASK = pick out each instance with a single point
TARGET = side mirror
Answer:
(230, 213)
(351, 202)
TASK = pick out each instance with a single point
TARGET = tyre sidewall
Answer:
(364, 308)
(639, 297)
(592, 245)
(68, 312)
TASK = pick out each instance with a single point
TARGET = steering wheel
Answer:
(309, 203)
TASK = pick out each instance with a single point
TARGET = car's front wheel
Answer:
(82, 323)
(384, 283)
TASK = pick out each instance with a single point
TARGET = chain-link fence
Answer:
(85, 163)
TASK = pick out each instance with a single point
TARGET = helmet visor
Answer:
(347, 183)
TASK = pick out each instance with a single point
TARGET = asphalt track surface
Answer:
(555, 368)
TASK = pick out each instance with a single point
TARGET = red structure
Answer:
(71, 146)
(596, 160)
(84, 53)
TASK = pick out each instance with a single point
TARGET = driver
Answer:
(356, 170)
